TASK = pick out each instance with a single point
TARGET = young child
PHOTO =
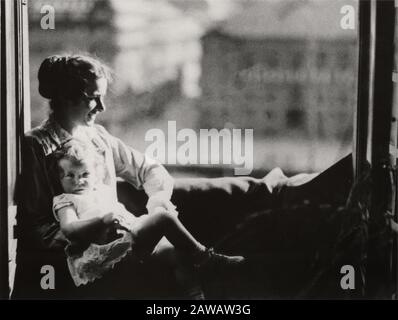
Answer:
(102, 232)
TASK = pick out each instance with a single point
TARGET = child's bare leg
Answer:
(165, 253)
(150, 229)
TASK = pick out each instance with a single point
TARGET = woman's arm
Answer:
(35, 191)
(140, 170)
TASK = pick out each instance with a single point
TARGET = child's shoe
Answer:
(216, 262)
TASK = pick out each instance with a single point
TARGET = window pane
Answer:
(286, 69)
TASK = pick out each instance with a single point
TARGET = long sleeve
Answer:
(35, 192)
(140, 170)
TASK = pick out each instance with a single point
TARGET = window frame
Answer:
(15, 120)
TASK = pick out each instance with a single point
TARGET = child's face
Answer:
(77, 178)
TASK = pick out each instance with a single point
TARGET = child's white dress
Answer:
(91, 263)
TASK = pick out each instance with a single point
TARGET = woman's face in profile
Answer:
(86, 109)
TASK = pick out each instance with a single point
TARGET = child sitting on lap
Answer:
(102, 232)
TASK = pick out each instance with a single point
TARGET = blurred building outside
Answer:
(283, 68)
(286, 69)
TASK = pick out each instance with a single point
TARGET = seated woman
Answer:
(76, 86)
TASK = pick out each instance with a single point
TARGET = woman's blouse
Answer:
(40, 178)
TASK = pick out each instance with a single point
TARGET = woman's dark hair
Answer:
(66, 77)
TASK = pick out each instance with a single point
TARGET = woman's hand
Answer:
(158, 202)
(115, 220)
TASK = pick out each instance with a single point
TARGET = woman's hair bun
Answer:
(49, 72)
(67, 75)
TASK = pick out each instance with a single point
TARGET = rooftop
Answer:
(143, 22)
(314, 19)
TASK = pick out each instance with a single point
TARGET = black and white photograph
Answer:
(213, 150)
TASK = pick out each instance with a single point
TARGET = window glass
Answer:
(284, 69)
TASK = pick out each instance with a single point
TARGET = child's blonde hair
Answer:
(80, 153)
